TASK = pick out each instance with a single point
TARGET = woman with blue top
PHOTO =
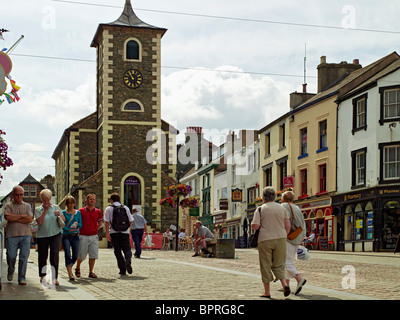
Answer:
(48, 234)
(70, 237)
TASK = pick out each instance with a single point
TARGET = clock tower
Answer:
(128, 108)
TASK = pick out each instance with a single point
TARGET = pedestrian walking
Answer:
(139, 227)
(118, 224)
(18, 234)
(273, 222)
(70, 235)
(92, 220)
(293, 245)
(48, 235)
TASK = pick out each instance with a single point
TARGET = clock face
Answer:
(133, 78)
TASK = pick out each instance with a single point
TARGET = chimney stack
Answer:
(328, 73)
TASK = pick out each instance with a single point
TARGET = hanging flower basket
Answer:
(190, 202)
(180, 190)
(168, 202)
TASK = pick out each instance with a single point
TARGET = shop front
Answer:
(318, 218)
(369, 219)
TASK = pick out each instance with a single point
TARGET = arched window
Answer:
(132, 105)
(132, 50)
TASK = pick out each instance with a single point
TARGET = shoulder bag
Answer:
(254, 240)
(295, 228)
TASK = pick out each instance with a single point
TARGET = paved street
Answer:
(170, 275)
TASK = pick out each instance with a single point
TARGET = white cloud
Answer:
(62, 107)
(223, 100)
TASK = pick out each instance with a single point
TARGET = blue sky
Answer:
(226, 64)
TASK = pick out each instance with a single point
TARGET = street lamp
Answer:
(178, 177)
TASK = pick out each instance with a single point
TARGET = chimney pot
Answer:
(356, 61)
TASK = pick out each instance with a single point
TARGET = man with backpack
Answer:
(118, 220)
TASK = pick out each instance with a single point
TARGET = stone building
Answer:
(124, 146)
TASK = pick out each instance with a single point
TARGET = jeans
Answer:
(70, 242)
(23, 243)
(120, 242)
(137, 237)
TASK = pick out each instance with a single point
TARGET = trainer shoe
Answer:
(300, 285)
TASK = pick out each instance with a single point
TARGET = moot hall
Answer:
(106, 151)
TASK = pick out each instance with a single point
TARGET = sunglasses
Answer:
(19, 194)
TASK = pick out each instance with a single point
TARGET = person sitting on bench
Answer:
(203, 235)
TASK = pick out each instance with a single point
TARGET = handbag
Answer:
(254, 240)
(60, 221)
(295, 228)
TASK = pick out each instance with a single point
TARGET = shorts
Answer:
(88, 245)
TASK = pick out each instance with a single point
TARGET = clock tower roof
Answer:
(128, 18)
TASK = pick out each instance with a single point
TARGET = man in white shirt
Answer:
(116, 222)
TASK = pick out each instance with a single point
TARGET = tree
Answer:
(5, 161)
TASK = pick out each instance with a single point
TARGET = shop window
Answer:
(359, 163)
(360, 113)
(369, 212)
(391, 224)
(359, 222)
(390, 160)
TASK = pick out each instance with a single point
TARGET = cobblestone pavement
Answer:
(171, 275)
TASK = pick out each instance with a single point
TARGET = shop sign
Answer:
(223, 204)
(288, 182)
(233, 222)
(219, 218)
(194, 212)
(237, 195)
(206, 220)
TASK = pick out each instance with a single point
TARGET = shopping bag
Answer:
(148, 241)
(302, 253)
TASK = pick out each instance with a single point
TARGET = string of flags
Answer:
(6, 65)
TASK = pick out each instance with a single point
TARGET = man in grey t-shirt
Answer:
(202, 236)
(18, 215)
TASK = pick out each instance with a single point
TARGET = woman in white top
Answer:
(274, 224)
(293, 245)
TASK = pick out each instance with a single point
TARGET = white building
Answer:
(368, 159)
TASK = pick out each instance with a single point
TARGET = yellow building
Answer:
(313, 128)
(275, 153)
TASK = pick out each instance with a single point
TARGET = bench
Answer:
(222, 248)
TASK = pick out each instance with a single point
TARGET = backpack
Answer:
(120, 220)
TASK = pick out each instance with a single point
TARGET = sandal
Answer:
(262, 295)
(92, 275)
(78, 272)
(286, 291)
